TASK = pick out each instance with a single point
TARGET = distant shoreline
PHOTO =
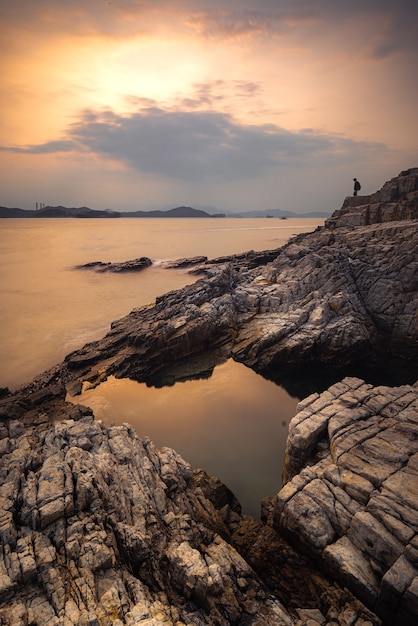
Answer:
(182, 211)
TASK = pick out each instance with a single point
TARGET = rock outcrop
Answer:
(332, 297)
(134, 265)
(97, 527)
(397, 200)
(351, 492)
(184, 263)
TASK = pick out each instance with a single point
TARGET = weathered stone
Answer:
(122, 532)
(131, 505)
(125, 266)
(397, 200)
(185, 263)
(372, 459)
(331, 297)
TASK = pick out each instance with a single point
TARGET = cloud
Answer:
(194, 146)
(387, 27)
(49, 147)
(224, 18)
(220, 23)
(211, 94)
(391, 27)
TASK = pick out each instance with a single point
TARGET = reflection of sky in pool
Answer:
(233, 424)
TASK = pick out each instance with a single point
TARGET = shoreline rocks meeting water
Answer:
(99, 527)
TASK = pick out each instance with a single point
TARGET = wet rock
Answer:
(134, 265)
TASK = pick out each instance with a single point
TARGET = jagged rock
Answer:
(351, 491)
(105, 527)
(125, 266)
(182, 263)
(329, 298)
(100, 527)
(397, 200)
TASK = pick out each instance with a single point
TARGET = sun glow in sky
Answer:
(236, 105)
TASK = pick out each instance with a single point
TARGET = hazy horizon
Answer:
(236, 105)
(212, 211)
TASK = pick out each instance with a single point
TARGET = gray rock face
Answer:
(98, 527)
(397, 200)
(134, 265)
(351, 491)
(329, 297)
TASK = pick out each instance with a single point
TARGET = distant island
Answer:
(86, 212)
(181, 211)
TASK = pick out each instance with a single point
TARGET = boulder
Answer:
(134, 265)
(350, 494)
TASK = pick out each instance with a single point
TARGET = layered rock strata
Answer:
(351, 492)
(98, 527)
(330, 297)
(397, 200)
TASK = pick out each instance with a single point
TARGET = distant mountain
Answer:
(180, 211)
(57, 211)
(5, 212)
(86, 212)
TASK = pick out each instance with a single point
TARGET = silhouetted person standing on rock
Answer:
(357, 186)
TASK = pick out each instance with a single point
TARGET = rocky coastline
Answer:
(98, 527)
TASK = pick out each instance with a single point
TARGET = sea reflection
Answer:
(233, 423)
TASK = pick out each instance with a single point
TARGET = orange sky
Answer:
(236, 105)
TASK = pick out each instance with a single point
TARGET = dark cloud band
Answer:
(198, 145)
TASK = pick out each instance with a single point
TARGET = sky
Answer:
(235, 105)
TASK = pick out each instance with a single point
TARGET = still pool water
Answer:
(233, 424)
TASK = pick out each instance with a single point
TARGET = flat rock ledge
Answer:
(351, 492)
(396, 200)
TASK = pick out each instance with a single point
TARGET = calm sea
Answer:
(234, 424)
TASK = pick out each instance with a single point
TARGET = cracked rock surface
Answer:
(98, 527)
(351, 492)
(329, 298)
